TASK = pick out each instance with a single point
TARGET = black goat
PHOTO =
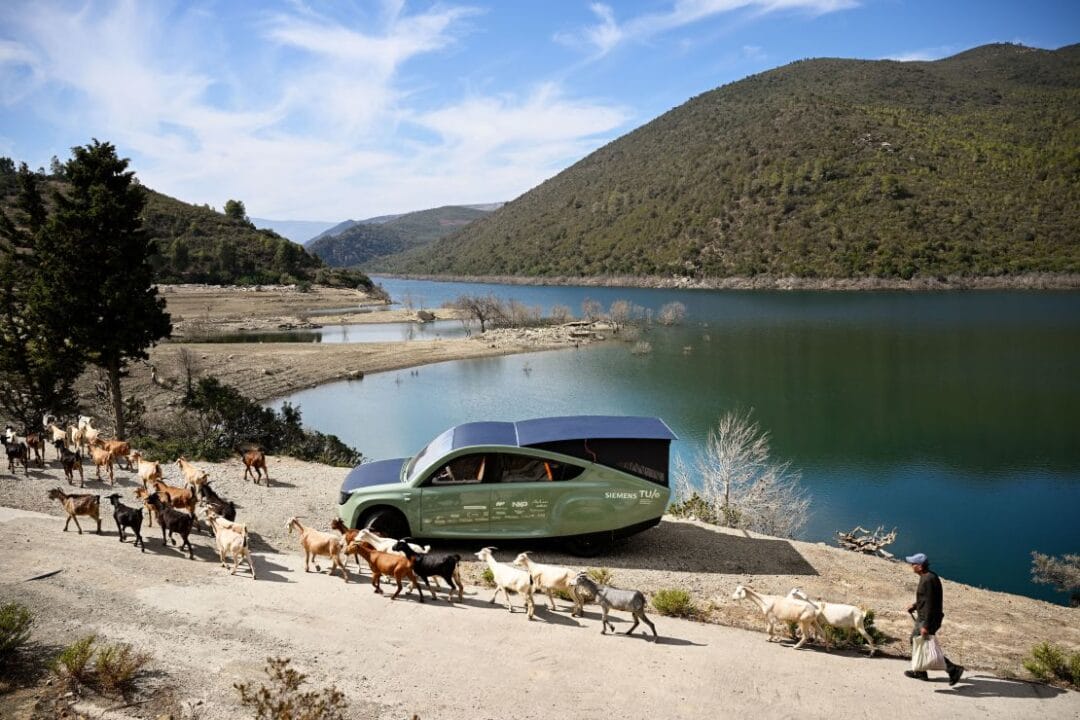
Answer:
(127, 517)
(217, 503)
(71, 461)
(426, 565)
(172, 521)
(17, 452)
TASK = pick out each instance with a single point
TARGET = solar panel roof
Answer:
(527, 433)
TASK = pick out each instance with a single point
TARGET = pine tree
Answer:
(96, 261)
(38, 362)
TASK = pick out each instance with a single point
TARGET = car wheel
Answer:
(589, 545)
(388, 523)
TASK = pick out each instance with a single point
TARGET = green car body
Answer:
(579, 477)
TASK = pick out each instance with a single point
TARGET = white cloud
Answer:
(313, 132)
(608, 33)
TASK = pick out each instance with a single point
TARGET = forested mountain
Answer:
(822, 168)
(199, 245)
(369, 240)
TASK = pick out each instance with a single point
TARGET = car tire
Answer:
(589, 545)
(388, 523)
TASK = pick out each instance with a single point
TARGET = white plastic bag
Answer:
(926, 654)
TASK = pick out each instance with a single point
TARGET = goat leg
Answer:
(120, 530)
(632, 627)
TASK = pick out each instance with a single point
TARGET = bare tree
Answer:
(672, 313)
(591, 309)
(620, 313)
(483, 308)
(1063, 573)
(735, 483)
(560, 314)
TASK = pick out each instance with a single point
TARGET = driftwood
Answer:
(859, 539)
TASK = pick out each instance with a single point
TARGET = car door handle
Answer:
(406, 498)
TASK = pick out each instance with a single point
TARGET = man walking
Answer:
(928, 612)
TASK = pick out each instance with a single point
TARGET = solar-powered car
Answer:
(585, 480)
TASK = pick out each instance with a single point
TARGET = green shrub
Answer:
(1051, 663)
(602, 576)
(222, 419)
(676, 603)
(74, 660)
(116, 668)
(563, 594)
(282, 699)
(15, 622)
(488, 577)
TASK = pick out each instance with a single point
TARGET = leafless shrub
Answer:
(591, 309)
(560, 314)
(282, 699)
(672, 313)
(641, 347)
(733, 482)
(620, 313)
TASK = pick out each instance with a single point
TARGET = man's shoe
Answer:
(954, 674)
(918, 674)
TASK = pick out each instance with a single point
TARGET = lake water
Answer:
(951, 416)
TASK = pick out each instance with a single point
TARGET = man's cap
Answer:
(916, 559)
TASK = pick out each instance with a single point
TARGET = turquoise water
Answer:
(952, 416)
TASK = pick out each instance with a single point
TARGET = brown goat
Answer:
(349, 537)
(75, 505)
(180, 498)
(396, 566)
(35, 443)
(316, 543)
(102, 458)
(119, 449)
(143, 495)
(255, 458)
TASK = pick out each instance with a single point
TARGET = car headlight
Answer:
(344, 497)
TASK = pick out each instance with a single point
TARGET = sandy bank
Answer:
(1030, 281)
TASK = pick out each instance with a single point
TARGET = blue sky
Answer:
(324, 111)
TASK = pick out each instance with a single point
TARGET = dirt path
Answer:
(474, 660)
(208, 630)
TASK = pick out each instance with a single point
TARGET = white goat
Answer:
(777, 608)
(509, 579)
(231, 542)
(839, 616)
(547, 578)
(147, 470)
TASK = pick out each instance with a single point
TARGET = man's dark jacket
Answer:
(928, 602)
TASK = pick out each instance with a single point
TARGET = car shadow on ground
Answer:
(981, 686)
(670, 546)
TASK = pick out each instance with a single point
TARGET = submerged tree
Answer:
(1063, 573)
(735, 483)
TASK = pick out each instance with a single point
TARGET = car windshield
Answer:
(424, 460)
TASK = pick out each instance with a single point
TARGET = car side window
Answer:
(521, 468)
(465, 470)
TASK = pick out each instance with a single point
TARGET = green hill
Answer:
(367, 241)
(196, 244)
(822, 168)
(199, 245)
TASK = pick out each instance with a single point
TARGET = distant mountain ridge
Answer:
(364, 241)
(299, 231)
(823, 168)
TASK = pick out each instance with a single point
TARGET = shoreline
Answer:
(1027, 281)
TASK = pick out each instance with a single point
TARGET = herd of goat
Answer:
(179, 510)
